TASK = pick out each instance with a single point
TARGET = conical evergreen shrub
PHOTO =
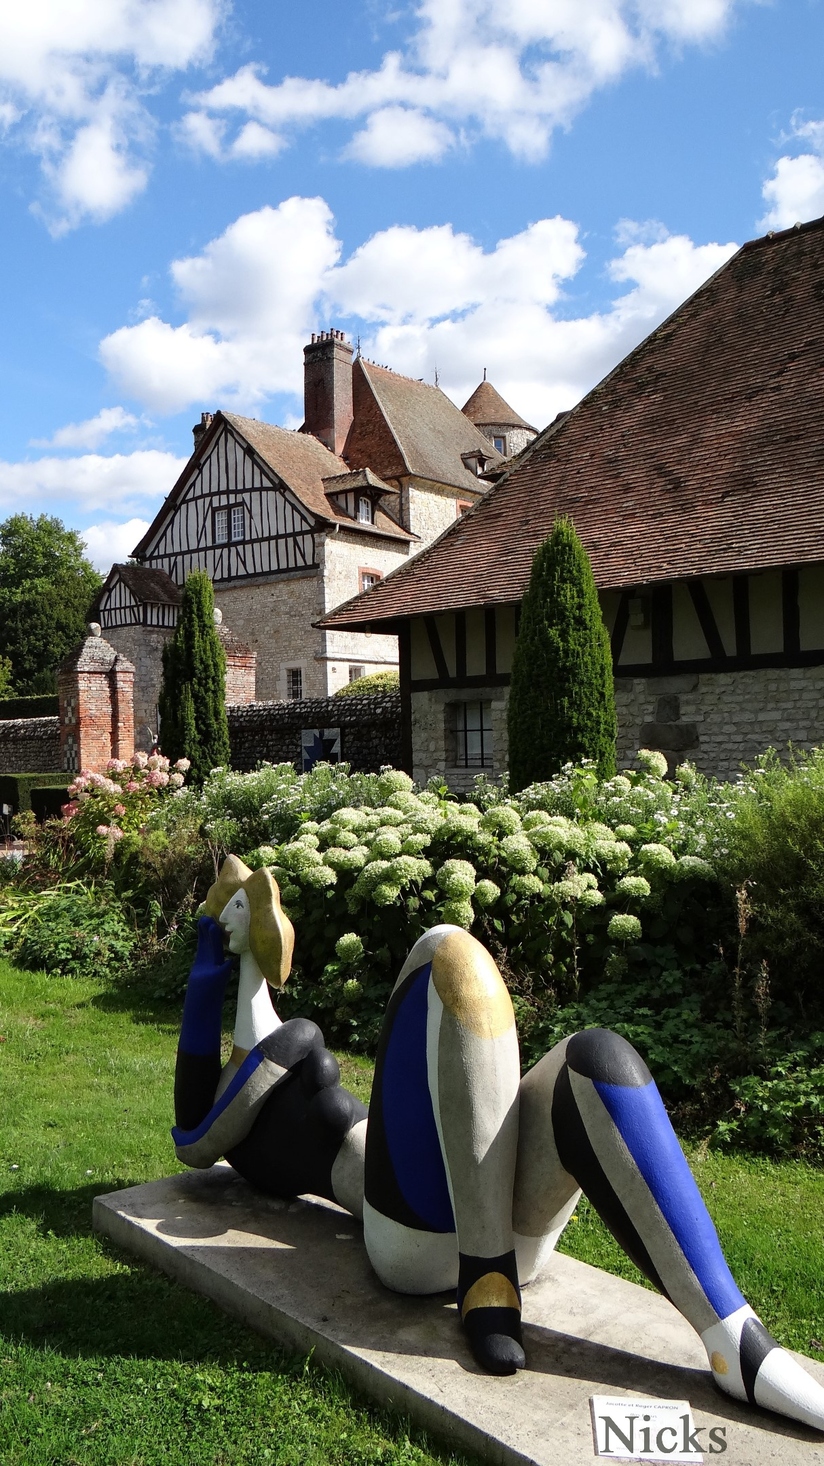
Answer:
(561, 699)
(193, 691)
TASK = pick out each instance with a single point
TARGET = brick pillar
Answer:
(95, 688)
(241, 664)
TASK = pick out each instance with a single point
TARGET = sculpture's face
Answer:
(235, 918)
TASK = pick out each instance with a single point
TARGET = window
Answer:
(472, 729)
(364, 510)
(500, 444)
(294, 683)
(368, 578)
(355, 673)
(228, 524)
(462, 506)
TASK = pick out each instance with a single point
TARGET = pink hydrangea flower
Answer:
(183, 765)
(175, 780)
(102, 830)
(131, 786)
(119, 809)
(140, 759)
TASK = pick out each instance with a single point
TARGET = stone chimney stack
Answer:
(327, 388)
(202, 427)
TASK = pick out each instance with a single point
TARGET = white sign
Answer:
(652, 1430)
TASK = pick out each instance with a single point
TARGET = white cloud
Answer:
(110, 543)
(254, 141)
(795, 192)
(74, 76)
(91, 481)
(513, 70)
(251, 298)
(427, 298)
(92, 432)
(394, 137)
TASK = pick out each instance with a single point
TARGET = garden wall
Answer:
(270, 732)
(29, 745)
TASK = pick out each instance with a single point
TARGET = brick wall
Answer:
(30, 746)
(269, 732)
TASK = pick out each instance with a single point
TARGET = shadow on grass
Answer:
(62, 1213)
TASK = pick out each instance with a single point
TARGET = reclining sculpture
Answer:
(464, 1174)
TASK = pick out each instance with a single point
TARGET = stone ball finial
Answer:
(218, 616)
(93, 628)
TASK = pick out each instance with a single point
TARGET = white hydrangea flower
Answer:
(384, 894)
(343, 858)
(624, 928)
(290, 895)
(393, 781)
(571, 888)
(349, 819)
(656, 857)
(416, 842)
(486, 893)
(619, 784)
(457, 879)
(351, 989)
(535, 817)
(615, 857)
(520, 855)
(298, 857)
(388, 816)
(653, 762)
(525, 886)
(458, 913)
(349, 947)
(625, 832)
(406, 868)
(638, 887)
(307, 837)
(319, 876)
(501, 819)
(591, 897)
(693, 865)
(386, 843)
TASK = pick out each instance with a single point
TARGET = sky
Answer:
(189, 188)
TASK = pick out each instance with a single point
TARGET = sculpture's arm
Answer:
(197, 1070)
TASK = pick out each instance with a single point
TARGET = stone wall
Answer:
(428, 509)
(433, 742)
(30, 746)
(343, 557)
(270, 732)
(274, 617)
(143, 647)
(716, 720)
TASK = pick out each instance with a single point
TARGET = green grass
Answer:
(106, 1363)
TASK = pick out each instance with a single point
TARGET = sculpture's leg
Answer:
(612, 1137)
(442, 1139)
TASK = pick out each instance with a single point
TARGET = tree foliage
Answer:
(46, 588)
(193, 692)
(561, 700)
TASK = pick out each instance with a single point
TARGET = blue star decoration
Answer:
(320, 745)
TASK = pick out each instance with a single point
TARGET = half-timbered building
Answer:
(694, 474)
(290, 524)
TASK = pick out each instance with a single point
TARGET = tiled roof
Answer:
(302, 462)
(298, 459)
(424, 433)
(487, 408)
(154, 586)
(702, 453)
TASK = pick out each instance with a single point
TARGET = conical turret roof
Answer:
(486, 408)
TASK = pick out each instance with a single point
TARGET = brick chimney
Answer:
(327, 388)
(201, 428)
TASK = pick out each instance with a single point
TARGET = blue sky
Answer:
(190, 187)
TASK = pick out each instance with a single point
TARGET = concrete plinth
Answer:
(298, 1272)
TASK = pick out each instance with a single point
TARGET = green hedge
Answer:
(18, 789)
(45, 706)
(48, 802)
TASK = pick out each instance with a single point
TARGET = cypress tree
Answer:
(193, 691)
(561, 699)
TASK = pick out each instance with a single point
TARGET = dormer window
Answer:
(365, 515)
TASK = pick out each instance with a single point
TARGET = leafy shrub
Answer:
(374, 682)
(76, 931)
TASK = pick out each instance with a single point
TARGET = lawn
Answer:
(104, 1362)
